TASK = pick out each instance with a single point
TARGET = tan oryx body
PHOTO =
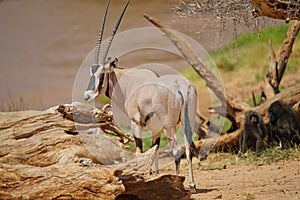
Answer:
(149, 100)
(160, 104)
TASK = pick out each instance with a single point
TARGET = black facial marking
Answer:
(91, 85)
(101, 78)
(95, 68)
(107, 90)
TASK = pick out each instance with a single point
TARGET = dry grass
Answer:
(222, 160)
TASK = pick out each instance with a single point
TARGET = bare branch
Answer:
(234, 108)
(190, 56)
(290, 96)
(278, 64)
(85, 117)
(286, 48)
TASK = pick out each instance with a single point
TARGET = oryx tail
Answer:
(188, 114)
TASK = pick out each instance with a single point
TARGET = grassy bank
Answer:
(270, 155)
(250, 52)
(246, 57)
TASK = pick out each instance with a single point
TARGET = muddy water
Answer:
(42, 44)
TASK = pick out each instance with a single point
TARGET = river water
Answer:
(43, 43)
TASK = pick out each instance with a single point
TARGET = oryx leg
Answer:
(189, 158)
(136, 130)
(176, 150)
(154, 124)
(156, 141)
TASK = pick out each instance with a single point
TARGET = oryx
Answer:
(150, 101)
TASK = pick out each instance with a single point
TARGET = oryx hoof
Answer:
(202, 157)
(240, 154)
(154, 172)
(192, 188)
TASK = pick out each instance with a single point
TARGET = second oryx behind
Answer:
(151, 101)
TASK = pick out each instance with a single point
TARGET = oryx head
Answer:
(100, 69)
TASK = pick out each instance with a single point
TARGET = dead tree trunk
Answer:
(290, 96)
(235, 109)
(39, 159)
(276, 9)
(272, 80)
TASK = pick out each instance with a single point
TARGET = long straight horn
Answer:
(99, 40)
(114, 32)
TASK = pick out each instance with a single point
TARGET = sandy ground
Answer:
(279, 180)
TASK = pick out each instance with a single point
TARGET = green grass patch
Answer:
(257, 99)
(248, 56)
(222, 160)
(251, 51)
(147, 142)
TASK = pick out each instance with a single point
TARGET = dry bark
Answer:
(276, 9)
(235, 109)
(86, 116)
(190, 56)
(39, 160)
(290, 96)
(167, 187)
(272, 80)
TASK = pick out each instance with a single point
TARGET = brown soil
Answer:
(279, 180)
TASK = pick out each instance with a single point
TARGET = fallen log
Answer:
(39, 160)
(290, 96)
(235, 109)
(86, 116)
(230, 106)
(272, 79)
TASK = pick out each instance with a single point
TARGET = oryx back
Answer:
(126, 83)
(159, 103)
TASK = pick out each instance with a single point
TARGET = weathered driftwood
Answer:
(191, 57)
(166, 187)
(278, 64)
(87, 116)
(290, 96)
(276, 9)
(235, 109)
(39, 160)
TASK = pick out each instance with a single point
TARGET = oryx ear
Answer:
(113, 64)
